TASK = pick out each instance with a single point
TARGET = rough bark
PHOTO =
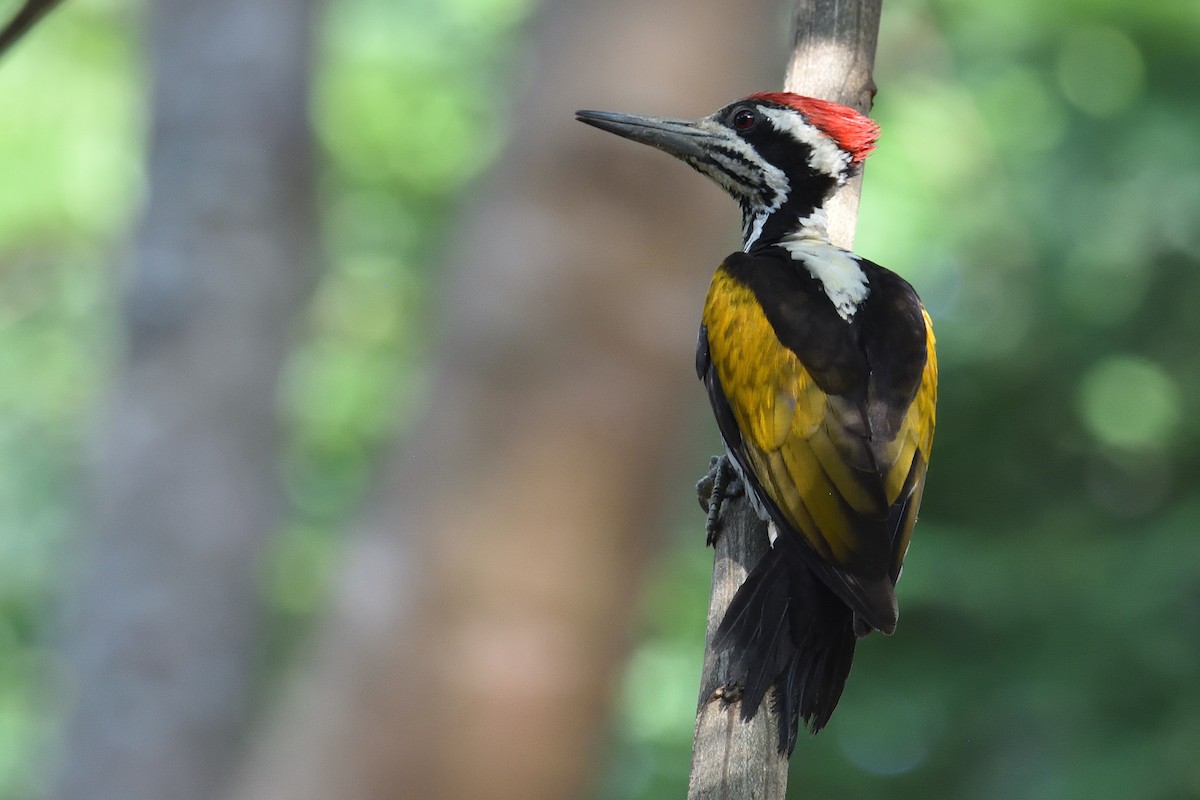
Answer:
(833, 58)
(484, 608)
(732, 759)
(163, 615)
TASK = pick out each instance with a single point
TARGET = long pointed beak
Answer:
(679, 137)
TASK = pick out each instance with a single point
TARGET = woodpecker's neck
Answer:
(806, 239)
(801, 213)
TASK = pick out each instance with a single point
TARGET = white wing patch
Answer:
(838, 270)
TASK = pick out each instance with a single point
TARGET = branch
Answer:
(23, 21)
(832, 58)
(731, 759)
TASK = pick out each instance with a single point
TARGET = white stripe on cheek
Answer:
(756, 173)
(825, 156)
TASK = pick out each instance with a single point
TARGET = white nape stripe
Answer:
(753, 230)
(825, 155)
(838, 270)
(814, 226)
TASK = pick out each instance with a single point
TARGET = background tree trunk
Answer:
(19, 24)
(484, 609)
(164, 614)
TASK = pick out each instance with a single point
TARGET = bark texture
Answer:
(730, 758)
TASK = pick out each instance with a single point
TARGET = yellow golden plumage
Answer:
(833, 482)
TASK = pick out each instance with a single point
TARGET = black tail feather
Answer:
(785, 629)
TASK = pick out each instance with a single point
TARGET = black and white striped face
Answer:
(735, 164)
(760, 152)
(769, 155)
(773, 161)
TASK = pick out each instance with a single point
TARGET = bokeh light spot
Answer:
(660, 690)
(1024, 114)
(888, 734)
(1100, 70)
(1126, 401)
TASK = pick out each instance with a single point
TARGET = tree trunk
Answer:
(485, 607)
(833, 58)
(164, 614)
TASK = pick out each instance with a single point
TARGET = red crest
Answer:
(854, 132)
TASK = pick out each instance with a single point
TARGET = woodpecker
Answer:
(821, 372)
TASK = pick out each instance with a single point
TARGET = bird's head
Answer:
(780, 155)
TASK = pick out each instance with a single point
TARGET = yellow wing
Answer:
(916, 438)
(850, 494)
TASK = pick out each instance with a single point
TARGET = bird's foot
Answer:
(728, 693)
(720, 484)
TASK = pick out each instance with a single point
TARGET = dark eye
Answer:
(744, 119)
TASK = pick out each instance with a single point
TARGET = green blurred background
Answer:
(1039, 182)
